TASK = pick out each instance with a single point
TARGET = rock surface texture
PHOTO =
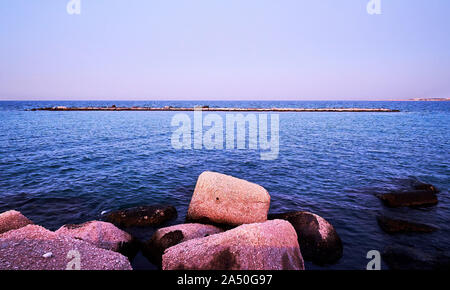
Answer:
(223, 199)
(29, 248)
(101, 234)
(12, 220)
(271, 245)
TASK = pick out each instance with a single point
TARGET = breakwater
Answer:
(215, 109)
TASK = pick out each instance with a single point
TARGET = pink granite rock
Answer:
(12, 220)
(35, 248)
(170, 236)
(223, 199)
(101, 234)
(271, 245)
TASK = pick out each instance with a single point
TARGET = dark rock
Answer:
(409, 258)
(409, 199)
(142, 216)
(425, 187)
(319, 241)
(392, 226)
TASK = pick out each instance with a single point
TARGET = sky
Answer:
(224, 50)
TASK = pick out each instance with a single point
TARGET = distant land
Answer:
(430, 99)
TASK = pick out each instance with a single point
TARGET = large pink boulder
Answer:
(271, 245)
(101, 234)
(12, 220)
(35, 248)
(223, 199)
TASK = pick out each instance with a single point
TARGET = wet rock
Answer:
(425, 187)
(12, 220)
(408, 258)
(101, 234)
(319, 241)
(170, 236)
(393, 226)
(24, 249)
(142, 216)
(271, 245)
(222, 199)
(409, 199)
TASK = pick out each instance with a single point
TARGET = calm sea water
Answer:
(68, 167)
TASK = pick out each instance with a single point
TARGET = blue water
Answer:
(68, 167)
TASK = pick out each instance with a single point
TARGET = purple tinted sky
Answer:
(233, 49)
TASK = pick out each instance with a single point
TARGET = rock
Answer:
(392, 226)
(425, 187)
(24, 248)
(319, 241)
(47, 255)
(410, 199)
(167, 237)
(142, 216)
(100, 234)
(408, 258)
(12, 220)
(226, 200)
(271, 245)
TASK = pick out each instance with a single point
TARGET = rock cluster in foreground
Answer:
(228, 230)
(34, 248)
(253, 242)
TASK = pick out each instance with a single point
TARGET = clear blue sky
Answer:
(224, 49)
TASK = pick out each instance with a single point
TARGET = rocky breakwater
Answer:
(32, 247)
(231, 231)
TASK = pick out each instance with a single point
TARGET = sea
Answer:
(60, 167)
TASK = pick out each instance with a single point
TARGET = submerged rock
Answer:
(12, 220)
(101, 234)
(409, 199)
(25, 248)
(167, 237)
(223, 199)
(425, 186)
(409, 258)
(393, 226)
(142, 216)
(319, 241)
(271, 245)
